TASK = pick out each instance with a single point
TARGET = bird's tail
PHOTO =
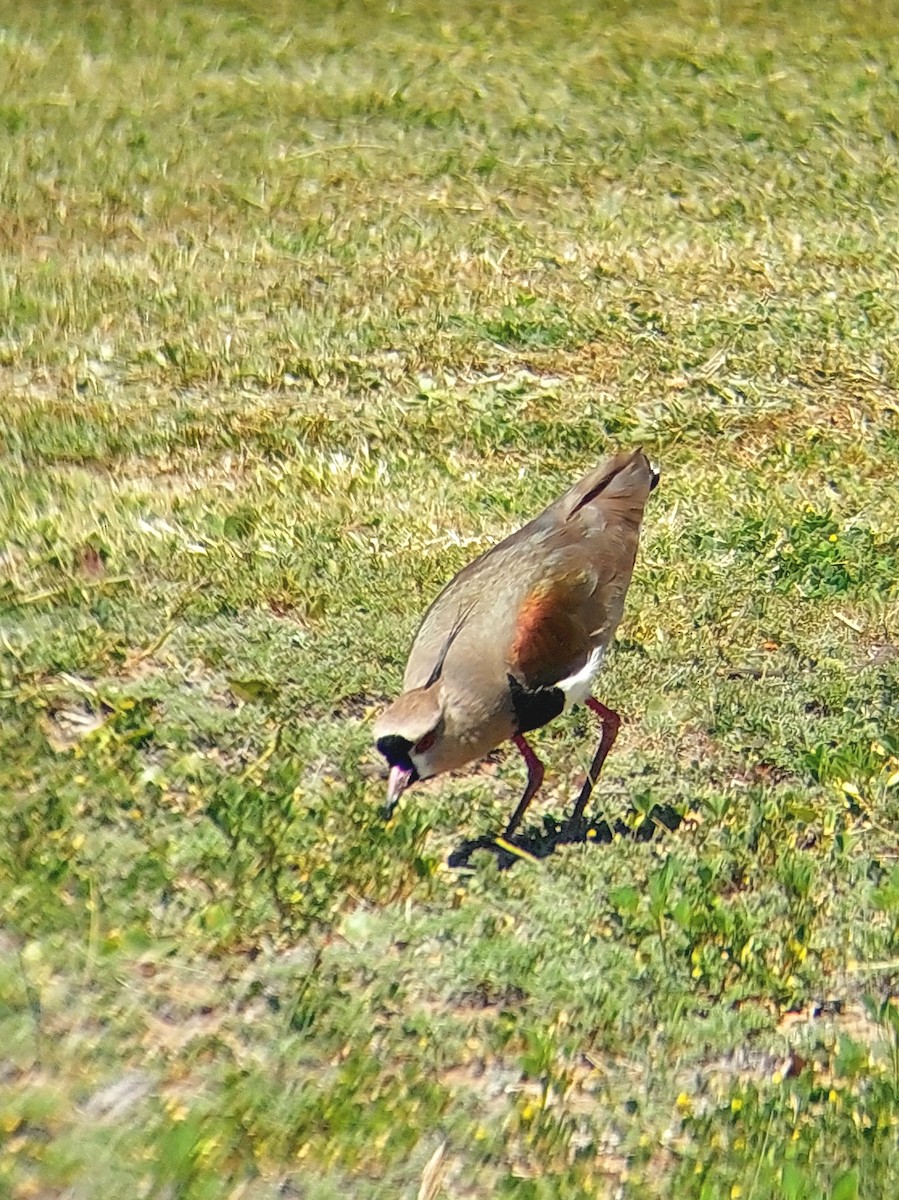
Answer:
(624, 481)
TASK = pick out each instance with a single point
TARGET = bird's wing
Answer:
(555, 628)
(542, 599)
(466, 610)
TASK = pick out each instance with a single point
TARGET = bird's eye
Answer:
(424, 744)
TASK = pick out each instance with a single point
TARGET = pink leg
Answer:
(611, 723)
(535, 778)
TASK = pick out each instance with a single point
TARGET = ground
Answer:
(300, 309)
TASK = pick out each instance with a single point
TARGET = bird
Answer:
(518, 636)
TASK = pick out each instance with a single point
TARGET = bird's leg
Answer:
(611, 723)
(535, 778)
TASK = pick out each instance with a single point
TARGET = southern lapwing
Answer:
(519, 634)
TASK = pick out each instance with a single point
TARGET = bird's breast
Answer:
(534, 707)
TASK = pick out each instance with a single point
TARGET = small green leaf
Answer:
(852, 1058)
(215, 918)
(792, 1182)
(891, 1016)
(254, 691)
(625, 899)
(240, 524)
(886, 897)
(846, 1186)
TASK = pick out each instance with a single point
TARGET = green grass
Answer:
(300, 309)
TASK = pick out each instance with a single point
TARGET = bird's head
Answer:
(407, 734)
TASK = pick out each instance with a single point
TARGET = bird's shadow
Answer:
(524, 847)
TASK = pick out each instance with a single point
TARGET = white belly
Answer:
(578, 687)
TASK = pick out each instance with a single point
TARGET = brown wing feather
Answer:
(551, 641)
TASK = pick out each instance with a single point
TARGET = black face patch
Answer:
(534, 707)
(396, 750)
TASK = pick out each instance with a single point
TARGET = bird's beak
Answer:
(397, 782)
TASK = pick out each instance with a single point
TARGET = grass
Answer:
(298, 310)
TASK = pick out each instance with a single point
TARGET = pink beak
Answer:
(397, 783)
